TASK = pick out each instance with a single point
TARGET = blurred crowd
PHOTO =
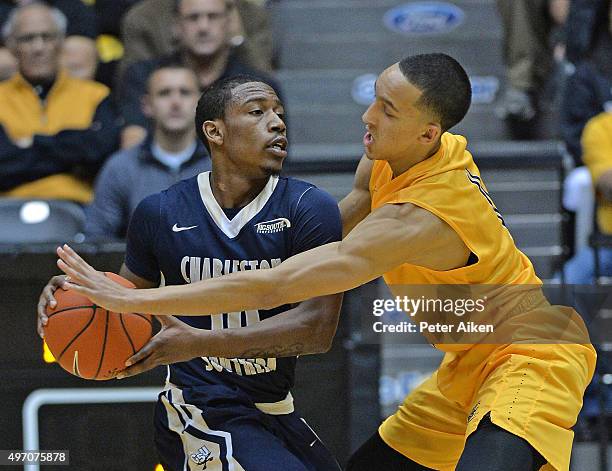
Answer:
(97, 97)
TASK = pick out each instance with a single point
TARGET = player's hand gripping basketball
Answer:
(94, 284)
(47, 299)
(174, 343)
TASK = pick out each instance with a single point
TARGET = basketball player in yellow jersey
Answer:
(419, 214)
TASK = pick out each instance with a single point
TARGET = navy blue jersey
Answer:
(184, 235)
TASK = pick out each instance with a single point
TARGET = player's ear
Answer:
(431, 133)
(214, 131)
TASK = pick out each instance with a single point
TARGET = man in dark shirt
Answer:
(204, 47)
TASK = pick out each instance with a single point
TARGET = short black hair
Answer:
(445, 86)
(214, 100)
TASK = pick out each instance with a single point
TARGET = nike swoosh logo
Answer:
(75, 364)
(176, 228)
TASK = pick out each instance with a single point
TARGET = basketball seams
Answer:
(96, 334)
(127, 334)
(143, 317)
(103, 344)
(93, 315)
(73, 308)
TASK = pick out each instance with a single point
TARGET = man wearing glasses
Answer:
(55, 131)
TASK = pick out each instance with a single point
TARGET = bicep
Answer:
(405, 233)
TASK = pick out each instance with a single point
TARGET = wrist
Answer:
(208, 342)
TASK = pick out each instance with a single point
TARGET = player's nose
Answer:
(277, 124)
(365, 117)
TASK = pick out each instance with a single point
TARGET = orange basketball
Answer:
(91, 342)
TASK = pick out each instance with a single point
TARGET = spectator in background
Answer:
(588, 89)
(533, 42)
(587, 92)
(597, 154)
(149, 31)
(55, 130)
(81, 23)
(80, 57)
(170, 154)
(204, 37)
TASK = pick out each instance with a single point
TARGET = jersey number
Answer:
(234, 319)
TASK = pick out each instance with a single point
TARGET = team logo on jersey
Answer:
(275, 225)
(424, 18)
(202, 456)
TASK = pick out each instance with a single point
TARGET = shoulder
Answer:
(598, 125)
(149, 208)
(305, 195)
(185, 187)
(125, 160)
(87, 88)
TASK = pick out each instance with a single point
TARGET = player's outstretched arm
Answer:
(388, 237)
(355, 206)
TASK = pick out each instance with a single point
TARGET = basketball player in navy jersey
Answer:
(227, 405)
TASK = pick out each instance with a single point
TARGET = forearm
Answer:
(317, 272)
(291, 333)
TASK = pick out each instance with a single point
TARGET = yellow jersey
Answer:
(448, 184)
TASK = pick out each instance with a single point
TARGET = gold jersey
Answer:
(449, 185)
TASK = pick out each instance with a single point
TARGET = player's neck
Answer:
(403, 165)
(232, 190)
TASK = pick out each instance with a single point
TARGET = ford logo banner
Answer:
(424, 18)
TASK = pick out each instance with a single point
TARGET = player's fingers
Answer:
(42, 318)
(87, 292)
(75, 260)
(71, 261)
(39, 328)
(145, 365)
(165, 321)
(141, 354)
(72, 273)
(47, 297)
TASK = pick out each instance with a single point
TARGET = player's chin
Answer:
(272, 167)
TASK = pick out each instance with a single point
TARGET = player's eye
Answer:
(256, 112)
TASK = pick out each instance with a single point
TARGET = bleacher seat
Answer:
(324, 46)
(39, 221)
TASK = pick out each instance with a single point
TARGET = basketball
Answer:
(91, 342)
